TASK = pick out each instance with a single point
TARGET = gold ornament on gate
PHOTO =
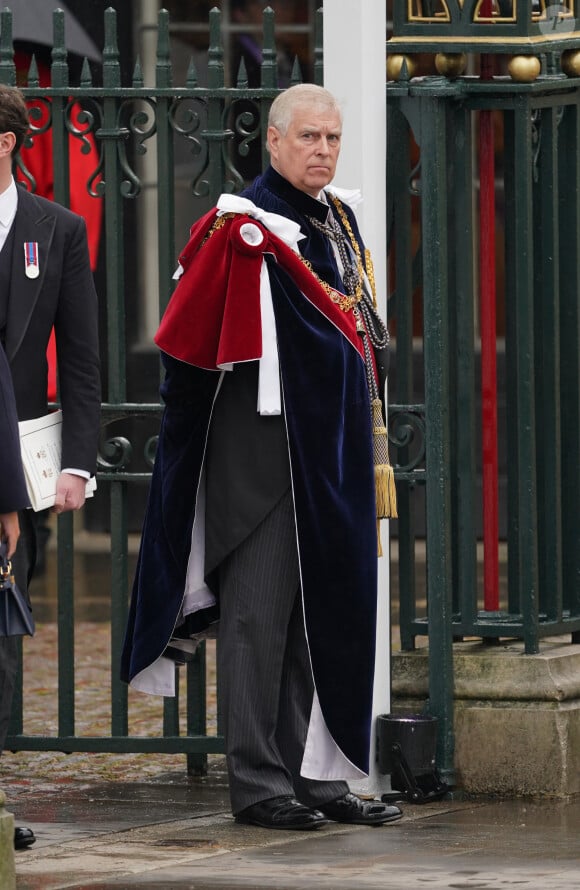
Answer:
(395, 66)
(571, 62)
(451, 64)
(524, 69)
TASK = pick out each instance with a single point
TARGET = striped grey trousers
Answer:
(264, 675)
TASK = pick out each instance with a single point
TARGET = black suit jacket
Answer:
(13, 494)
(63, 295)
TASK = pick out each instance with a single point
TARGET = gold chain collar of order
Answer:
(345, 302)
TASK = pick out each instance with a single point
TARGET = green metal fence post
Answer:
(521, 446)
(318, 49)
(215, 133)
(165, 161)
(437, 411)
(268, 78)
(197, 708)
(7, 67)
(401, 310)
(569, 255)
(60, 112)
(112, 134)
(547, 363)
(462, 356)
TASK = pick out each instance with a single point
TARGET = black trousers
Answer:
(23, 563)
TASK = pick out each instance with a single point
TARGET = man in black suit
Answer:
(45, 281)
(13, 495)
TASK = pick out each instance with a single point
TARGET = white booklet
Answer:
(41, 448)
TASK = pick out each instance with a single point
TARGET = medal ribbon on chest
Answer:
(31, 265)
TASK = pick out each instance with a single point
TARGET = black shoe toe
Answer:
(353, 810)
(281, 812)
(23, 838)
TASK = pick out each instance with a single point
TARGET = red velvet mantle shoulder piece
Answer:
(213, 318)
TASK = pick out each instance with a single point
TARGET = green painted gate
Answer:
(215, 127)
(493, 119)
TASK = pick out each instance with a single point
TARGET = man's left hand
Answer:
(70, 493)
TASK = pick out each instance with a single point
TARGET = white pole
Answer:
(147, 235)
(354, 71)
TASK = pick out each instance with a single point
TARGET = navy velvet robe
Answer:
(327, 415)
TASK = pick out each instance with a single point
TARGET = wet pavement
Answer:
(172, 832)
(137, 822)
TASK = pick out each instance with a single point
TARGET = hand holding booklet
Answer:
(41, 449)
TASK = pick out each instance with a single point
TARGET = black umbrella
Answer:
(32, 23)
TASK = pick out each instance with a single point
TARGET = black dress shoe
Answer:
(23, 838)
(355, 811)
(282, 812)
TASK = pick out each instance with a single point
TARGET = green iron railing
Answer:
(217, 124)
(541, 342)
(541, 417)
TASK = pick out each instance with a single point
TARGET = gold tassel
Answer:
(386, 492)
(386, 495)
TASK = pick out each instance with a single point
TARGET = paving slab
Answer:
(137, 822)
(131, 841)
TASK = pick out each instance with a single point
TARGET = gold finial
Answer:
(524, 69)
(395, 66)
(450, 64)
(571, 62)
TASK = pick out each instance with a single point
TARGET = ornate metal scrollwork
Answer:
(115, 455)
(142, 125)
(82, 122)
(118, 455)
(215, 138)
(407, 435)
(150, 450)
(139, 123)
(247, 125)
(245, 116)
(40, 116)
(415, 180)
(185, 121)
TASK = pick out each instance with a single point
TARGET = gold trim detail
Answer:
(343, 301)
(411, 41)
(442, 16)
(217, 224)
(479, 19)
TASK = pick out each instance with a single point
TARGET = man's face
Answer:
(306, 156)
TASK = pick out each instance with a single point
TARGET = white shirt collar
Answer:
(8, 205)
(352, 197)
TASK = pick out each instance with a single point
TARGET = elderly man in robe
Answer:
(271, 471)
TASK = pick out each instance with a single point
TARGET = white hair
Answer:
(299, 96)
